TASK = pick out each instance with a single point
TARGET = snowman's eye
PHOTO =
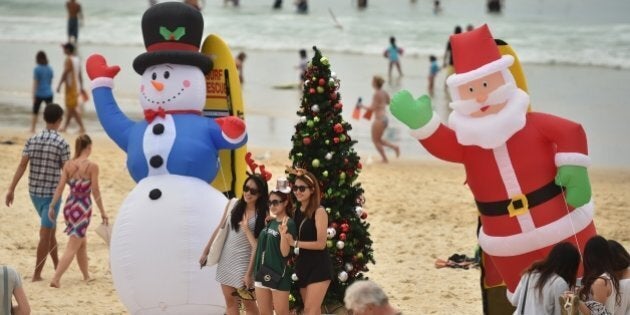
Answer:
(471, 89)
(485, 84)
(154, 76)
(166, 74)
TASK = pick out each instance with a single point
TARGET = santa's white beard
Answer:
(492, 130)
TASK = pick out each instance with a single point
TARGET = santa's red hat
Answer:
(475, 54)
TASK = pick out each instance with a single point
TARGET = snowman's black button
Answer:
(155, 194)
(156, 161)
(158, 129)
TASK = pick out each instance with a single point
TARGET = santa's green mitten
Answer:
(413, 113)
(575, 180)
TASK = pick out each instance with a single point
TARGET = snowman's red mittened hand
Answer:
(232, 127)
(97, 67)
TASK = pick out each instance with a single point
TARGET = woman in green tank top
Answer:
(273, 250)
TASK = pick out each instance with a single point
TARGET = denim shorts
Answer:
(42, 205)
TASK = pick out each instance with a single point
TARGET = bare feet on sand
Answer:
(54, 285)
(37, 278)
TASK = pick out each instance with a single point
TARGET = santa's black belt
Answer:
(521, 203)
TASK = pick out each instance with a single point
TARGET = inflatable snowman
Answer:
(164, 223)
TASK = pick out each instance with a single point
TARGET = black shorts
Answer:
(313, 266)
(38, 103)
(73, 28)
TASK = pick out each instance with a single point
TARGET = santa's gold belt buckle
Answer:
(518, 205)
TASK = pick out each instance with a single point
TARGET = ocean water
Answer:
(575, 53)
(576, 32)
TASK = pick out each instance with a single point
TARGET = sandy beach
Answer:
(428, 215)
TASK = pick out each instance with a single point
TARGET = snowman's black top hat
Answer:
(172, 33)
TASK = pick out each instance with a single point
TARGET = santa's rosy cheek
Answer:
(186, 83)
(142, 88)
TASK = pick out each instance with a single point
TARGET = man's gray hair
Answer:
(362, 293)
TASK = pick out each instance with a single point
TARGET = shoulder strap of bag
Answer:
(262, 258)
(525, 294)
(5, 300)
(228, 208)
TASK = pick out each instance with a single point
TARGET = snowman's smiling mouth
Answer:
(168, 100)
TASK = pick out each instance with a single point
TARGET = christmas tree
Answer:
(321, 145)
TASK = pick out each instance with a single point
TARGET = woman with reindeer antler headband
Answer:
(246, 220)
(312, 267)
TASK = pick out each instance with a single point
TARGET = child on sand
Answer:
(240, 59)
(302, 66)
(380, 100)
(393, 53)
(434, 68)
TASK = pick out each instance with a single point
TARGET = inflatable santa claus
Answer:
(526, 170)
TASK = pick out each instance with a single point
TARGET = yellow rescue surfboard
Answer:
(515, 69)
(224, 98)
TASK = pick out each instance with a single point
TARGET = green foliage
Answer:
(321, 145)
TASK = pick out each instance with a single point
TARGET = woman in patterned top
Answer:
(235, 267)
(81, 175)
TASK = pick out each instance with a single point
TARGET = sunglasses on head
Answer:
(250, 190)
(300, 188)
(274, 203)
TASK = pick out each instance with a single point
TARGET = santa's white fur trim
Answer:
(577, 159)
(544, 236)
(456, 79)
(234, 140)
(428, 129)
(102, 81)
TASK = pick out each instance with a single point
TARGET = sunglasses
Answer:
(250, 190)
(273, 203)
(300, 188)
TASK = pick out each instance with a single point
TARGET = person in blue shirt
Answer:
(42, 85)
(393, 53)
(434, 68)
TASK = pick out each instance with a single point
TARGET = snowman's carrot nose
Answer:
(157, 85)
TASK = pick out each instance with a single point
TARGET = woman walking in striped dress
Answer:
(235, 268)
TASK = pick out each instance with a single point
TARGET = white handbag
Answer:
(217, 244)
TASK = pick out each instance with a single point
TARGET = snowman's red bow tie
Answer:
(151, 114)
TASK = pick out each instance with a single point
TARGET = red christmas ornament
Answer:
(322, 82)
(338, 106)
(338, 128)
(359, 165)
(306, 141)
(345, 227)
(311, 91)
(350, 173)
(333, 96)
(364, 215)
(342, 236)
(336, 140)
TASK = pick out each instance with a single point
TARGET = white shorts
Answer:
(258, 284)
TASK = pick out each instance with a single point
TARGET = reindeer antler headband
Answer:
(299, 172)
(252, 166)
